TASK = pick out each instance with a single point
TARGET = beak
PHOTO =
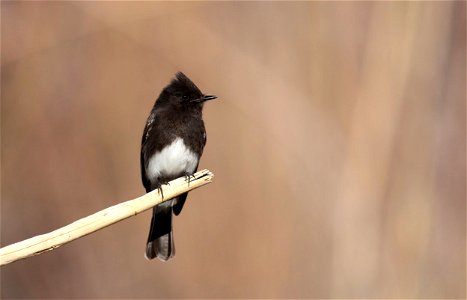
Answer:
(204, 98)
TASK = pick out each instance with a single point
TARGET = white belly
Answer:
(173, 160)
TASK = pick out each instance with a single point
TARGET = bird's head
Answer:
(182, 91)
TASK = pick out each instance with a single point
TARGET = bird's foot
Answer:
(160, 192)
(188, 177)
(159, 187)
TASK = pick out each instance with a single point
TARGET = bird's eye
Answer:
(185, 97)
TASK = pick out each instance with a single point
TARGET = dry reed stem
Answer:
(49, 241)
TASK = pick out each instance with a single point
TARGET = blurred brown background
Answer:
(338, 145)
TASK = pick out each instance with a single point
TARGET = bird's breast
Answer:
(172, 161)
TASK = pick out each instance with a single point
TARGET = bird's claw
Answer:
(188, 177)
(159, 191)
(159, 188)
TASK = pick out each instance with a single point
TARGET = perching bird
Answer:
(172, 144)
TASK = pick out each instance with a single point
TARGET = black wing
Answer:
(146, 132)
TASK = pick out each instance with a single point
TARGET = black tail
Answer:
(160, 240)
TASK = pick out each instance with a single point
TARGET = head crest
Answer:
(182, 83)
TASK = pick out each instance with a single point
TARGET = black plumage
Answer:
(172, 144)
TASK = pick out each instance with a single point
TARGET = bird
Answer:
(172, 144)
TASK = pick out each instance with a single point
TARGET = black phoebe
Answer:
(172, 144)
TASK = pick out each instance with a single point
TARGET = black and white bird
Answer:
(172, 144)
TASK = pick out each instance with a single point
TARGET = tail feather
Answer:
(160, 240)
(162, 248)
